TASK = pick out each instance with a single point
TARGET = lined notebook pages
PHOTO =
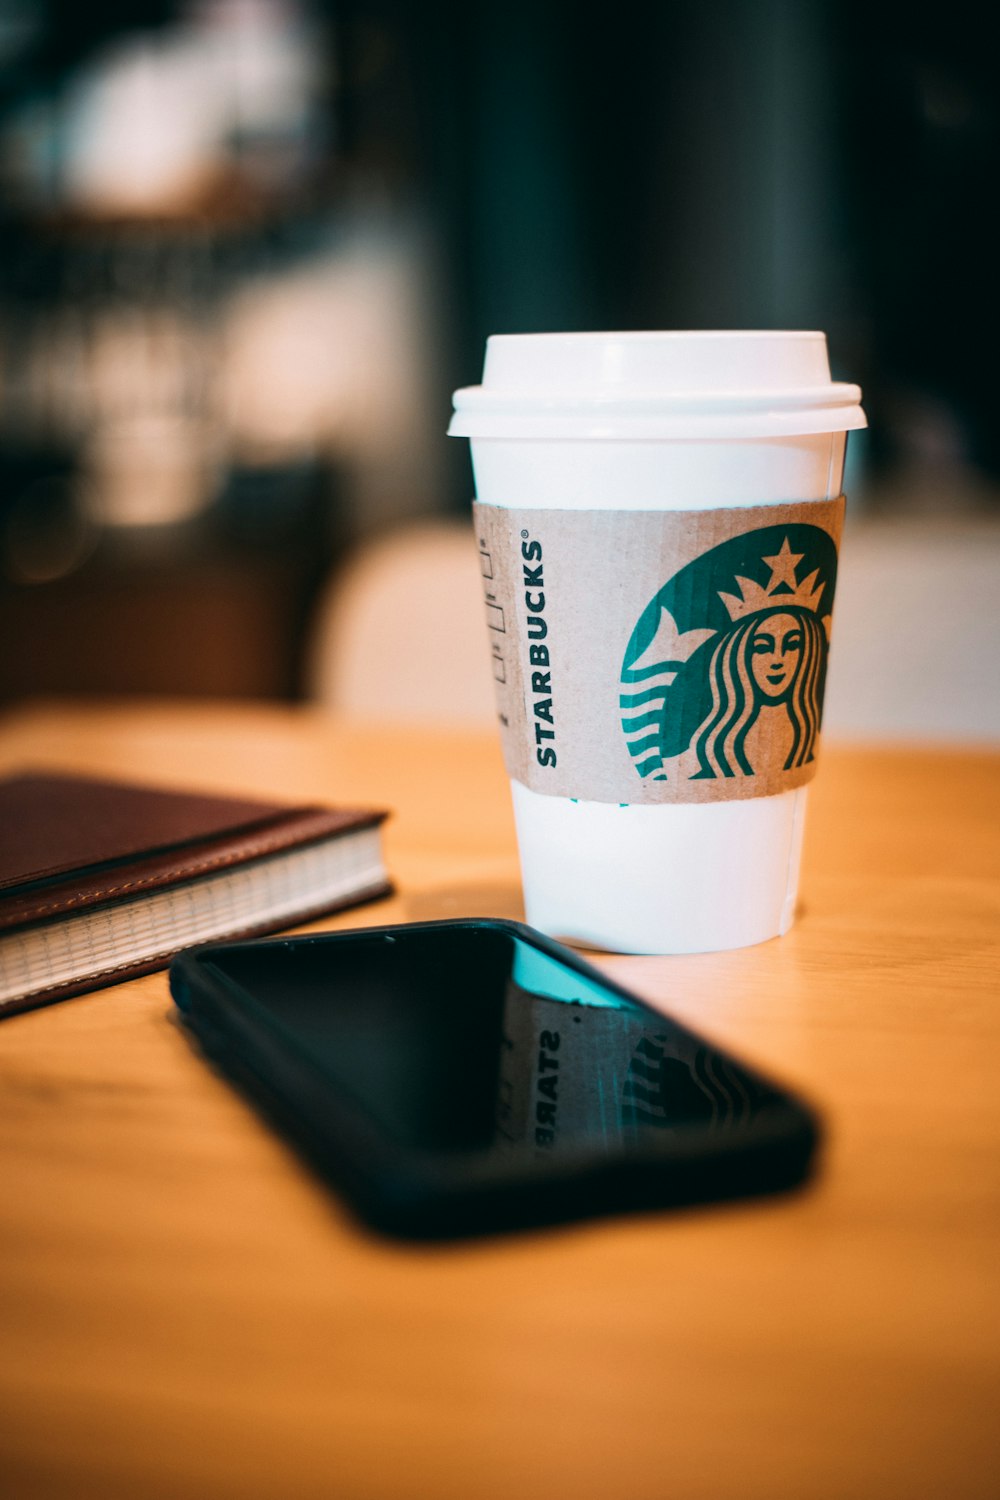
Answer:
(100, 881)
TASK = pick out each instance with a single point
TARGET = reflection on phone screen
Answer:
(473, 1040)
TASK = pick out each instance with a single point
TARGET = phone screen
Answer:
(460, 1039)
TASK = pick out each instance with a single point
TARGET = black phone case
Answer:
(404, 1191)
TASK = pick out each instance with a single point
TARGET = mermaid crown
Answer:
(782, 587)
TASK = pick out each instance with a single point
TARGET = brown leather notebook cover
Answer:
(72, 848)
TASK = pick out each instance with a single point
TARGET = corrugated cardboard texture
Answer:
(660, 656)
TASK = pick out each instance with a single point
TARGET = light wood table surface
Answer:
(185, 1311)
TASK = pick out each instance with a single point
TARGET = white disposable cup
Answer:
(674, 422)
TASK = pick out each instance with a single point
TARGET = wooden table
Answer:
(185, 1311)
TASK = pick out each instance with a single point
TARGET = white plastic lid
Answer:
(656, 385)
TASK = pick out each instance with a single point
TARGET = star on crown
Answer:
(782, 588)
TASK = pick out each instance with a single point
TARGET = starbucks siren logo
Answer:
(727, 664)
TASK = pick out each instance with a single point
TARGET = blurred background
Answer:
(249, 247)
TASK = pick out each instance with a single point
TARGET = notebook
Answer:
(104, 880)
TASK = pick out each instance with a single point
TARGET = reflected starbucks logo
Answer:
(672, 1083)
(724, 673)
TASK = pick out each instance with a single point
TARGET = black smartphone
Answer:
(463, 1077)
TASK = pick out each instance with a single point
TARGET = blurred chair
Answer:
(916, 631)
(916, 642)
(400, 633)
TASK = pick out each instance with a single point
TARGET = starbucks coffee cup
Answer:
(658, 517)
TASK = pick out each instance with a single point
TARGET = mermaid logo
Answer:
(675, 1083)
(724, 673)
